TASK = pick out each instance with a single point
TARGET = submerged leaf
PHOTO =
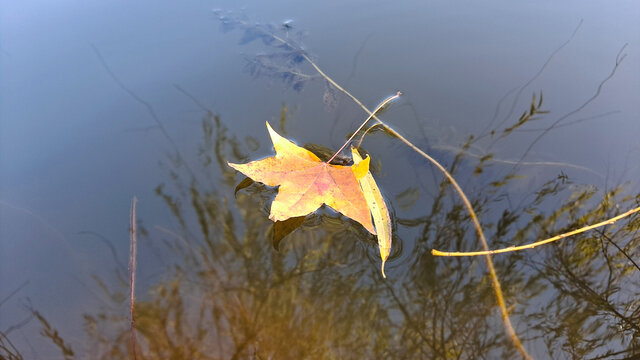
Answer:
(306, 183)
(378, 209)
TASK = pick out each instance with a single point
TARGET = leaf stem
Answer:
(382, 104)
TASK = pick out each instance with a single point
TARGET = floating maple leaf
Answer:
(306, 183)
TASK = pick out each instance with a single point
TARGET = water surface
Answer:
(100, 102)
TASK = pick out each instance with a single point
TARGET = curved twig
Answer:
(537, 243)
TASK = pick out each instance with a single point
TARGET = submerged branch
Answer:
(147, 106)
(530, 81)
(619, 58)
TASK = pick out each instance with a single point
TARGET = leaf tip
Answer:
(270, 129)
(361, 168)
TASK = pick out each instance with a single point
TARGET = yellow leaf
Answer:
(306, 183)
(361, 168)
(378, 209)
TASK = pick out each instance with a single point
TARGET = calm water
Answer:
(104, 101)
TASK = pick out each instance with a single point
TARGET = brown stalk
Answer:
(132, 276)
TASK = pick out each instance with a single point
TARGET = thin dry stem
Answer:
(537, 243)
(132, 276)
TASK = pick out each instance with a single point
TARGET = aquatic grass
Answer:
(52, 334)
(8, 350)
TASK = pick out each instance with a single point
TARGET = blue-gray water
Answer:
(103, 101)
